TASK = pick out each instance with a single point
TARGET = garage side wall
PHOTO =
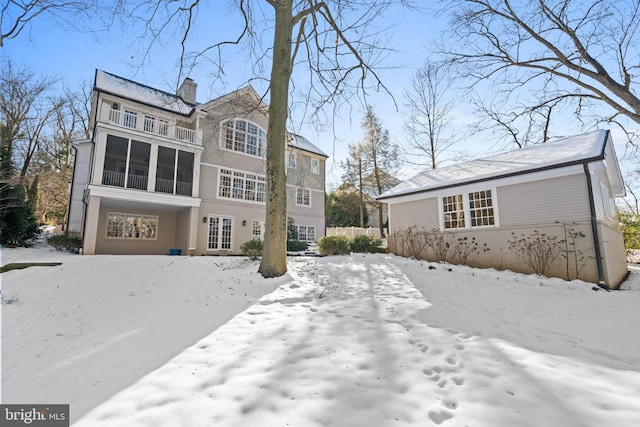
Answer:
(555, 207)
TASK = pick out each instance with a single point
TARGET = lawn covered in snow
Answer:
(360, 340)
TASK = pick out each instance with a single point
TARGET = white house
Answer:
(163, 173)
(564, 190)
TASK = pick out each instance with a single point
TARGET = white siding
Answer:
(544, 202)
(421, 213)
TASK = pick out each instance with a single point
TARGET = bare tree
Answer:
(429, 117)
(373, 163)
(581, 51)
(26, 111)
(16, 16)
(518, 125)
(334, 39)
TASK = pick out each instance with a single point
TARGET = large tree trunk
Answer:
(274, 253)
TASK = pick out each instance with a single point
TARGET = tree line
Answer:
(38, 121)
(523, 66)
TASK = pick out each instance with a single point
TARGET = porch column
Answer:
(91, 226)
(192, 241)
(99, 152)
(195, 190)
(153, 168)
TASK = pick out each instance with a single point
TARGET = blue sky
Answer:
(54, 49)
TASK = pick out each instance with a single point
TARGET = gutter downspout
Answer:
(594, 227)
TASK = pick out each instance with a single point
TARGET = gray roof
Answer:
(303, 143)
(116, 85)
(563, 152)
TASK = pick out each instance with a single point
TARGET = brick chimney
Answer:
(187, 91)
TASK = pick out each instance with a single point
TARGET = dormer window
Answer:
(243, 136)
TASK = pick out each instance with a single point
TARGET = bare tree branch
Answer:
(584, 47)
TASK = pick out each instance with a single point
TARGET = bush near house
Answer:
(61, 242)
(341, 245)
(537, 250)
(366, 244)
(252, 249)
(435, 245)
(296, 246)
(334, 245)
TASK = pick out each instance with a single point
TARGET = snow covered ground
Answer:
(360, 340)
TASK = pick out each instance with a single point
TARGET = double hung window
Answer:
(240, 185)
(306, 233)
(468, 210)
(303, 197)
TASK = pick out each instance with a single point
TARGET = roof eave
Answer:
(495, 177)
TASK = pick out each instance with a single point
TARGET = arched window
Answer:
(243, 136)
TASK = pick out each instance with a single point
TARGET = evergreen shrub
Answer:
(334, 245)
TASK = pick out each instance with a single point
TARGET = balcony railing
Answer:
(183, 188)
(116, 179)
(113, 178)
(139, 182)
(166, 186)
(153, 125)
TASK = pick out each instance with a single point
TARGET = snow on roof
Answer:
(303, 143)
(563, 152)
(116, 85)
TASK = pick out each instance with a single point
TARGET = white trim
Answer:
(231, 238)
(106, 231)
(487, 184)
(142, 196)
(222, 138)
(315, 190)
(315, 232)
(317, 162)
(467, 209)
(310, 198)
(219, 196)
(262, 222)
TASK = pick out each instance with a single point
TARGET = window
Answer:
(243, 136)
(242, 186)
(453, 210)
(303, 197)
(291, 159)
(163, 127)
(257, 229)
(130, 118)
(315, 166)
(481, 208)
(130, 226)
(220, 233)
(149, 124)
(473, 209)
(306, 233)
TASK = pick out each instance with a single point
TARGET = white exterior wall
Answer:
(553, 205)
(79, 182)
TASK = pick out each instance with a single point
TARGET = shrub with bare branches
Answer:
(537, 250)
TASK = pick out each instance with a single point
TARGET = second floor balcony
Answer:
(141, 182)
(137, 120)
(134, 165)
